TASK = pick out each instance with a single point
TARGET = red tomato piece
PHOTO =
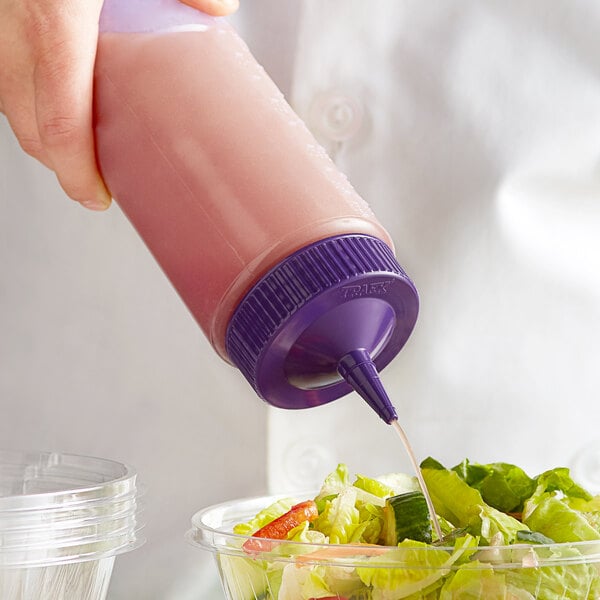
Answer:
(279, 528)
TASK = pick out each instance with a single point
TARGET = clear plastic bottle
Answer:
(244, 211)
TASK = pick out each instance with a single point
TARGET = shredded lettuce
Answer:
(550, 515)
(420, 566)
(373, 486)
(399, 483)
(371, 524)
(340, 518)
(334, 483)
(245, 578)
(569, 579)
(303, 533)
(302, 583)
(479, 581)
(487, 554)
(559, 480)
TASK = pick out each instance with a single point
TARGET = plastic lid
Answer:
(324, 321)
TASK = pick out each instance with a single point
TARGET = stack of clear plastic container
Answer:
(63, 520)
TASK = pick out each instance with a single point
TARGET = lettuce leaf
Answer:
(371, 524)
(502, 485)
(245, 578)
(340, 517)
(452, 497)
(367, 490)
(310, 581)
(345, 582)
(585, 506)
(373, 486)
(550, 515)
(559, 480)
(571, 580)
(303, 533)
(335, 483)
(463, 505)
(561, 509)
(495, 523)
(399, 483)
(302, 583)
(478, 581)
(421, 568)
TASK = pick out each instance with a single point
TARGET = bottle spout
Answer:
(359, 370)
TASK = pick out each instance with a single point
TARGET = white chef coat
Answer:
(473, 129)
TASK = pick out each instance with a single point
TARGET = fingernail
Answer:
(229, 4)
(94, 205)
(101, 202)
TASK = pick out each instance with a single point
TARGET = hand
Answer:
(47, 52)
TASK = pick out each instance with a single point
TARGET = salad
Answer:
(506, 536)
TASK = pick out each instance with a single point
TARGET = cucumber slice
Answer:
(406, 517)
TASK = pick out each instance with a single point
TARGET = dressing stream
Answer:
(417, 470)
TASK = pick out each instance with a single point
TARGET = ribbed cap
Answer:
(338, 295)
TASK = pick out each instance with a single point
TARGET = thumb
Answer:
(216, 8)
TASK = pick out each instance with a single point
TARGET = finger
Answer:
(63, 81)
(16, 91)
(19, 108)
(23, 123)
(216, 8)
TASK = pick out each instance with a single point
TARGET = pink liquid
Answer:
(215, 171)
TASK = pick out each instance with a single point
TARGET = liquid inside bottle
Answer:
(213, 168)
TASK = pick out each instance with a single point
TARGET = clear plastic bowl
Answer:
(63, 519)
(517, 572)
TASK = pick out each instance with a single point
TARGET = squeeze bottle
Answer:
(284, 267)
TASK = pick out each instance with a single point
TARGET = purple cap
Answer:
(323, 322)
